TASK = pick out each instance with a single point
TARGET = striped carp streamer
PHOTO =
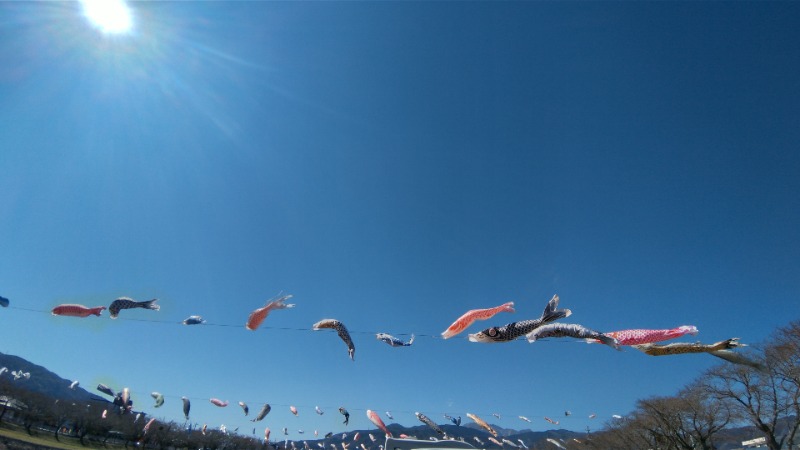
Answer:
(106, 390)
(557, 330)
(341, 330)
(427, 421)
(194, 320)
(263, 413)
(187, 405)
(393, 341)
(127, 303)
(456, 420)
(345, 414)
(158, 397)
(721, 349)
(512, 331)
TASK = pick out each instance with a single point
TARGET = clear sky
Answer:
(392, 165)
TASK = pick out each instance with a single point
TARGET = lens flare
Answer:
(110, 16)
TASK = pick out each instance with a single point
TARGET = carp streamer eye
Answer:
(492, 332)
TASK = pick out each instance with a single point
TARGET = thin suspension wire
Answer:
(270, 327)
(327, 407)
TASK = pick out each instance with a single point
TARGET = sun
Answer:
(110, 16)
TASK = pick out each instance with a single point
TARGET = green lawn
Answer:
(41, 438)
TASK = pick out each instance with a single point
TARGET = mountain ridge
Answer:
(43, 381)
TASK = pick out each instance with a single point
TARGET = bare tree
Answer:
(33, 408)
(767, 398)
(783, 355)
(89, 422)
(687, 421)
(630, 433)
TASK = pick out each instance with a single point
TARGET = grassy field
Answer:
(43, 440)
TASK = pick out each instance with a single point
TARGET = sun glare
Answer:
(110, 16)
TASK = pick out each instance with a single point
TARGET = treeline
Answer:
(102, 424)
(766, 397)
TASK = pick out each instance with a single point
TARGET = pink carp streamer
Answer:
(258, 316)
(472, 315)
(74, 310)
(147, 425)
(638, 337)
(376, 419)
(218, 402)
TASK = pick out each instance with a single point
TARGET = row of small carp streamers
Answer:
(124, 405)
(543, 327)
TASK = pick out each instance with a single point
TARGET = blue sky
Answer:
(392, 165)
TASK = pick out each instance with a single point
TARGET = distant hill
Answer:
(502, 432)
(42, 380)
(469, 431)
